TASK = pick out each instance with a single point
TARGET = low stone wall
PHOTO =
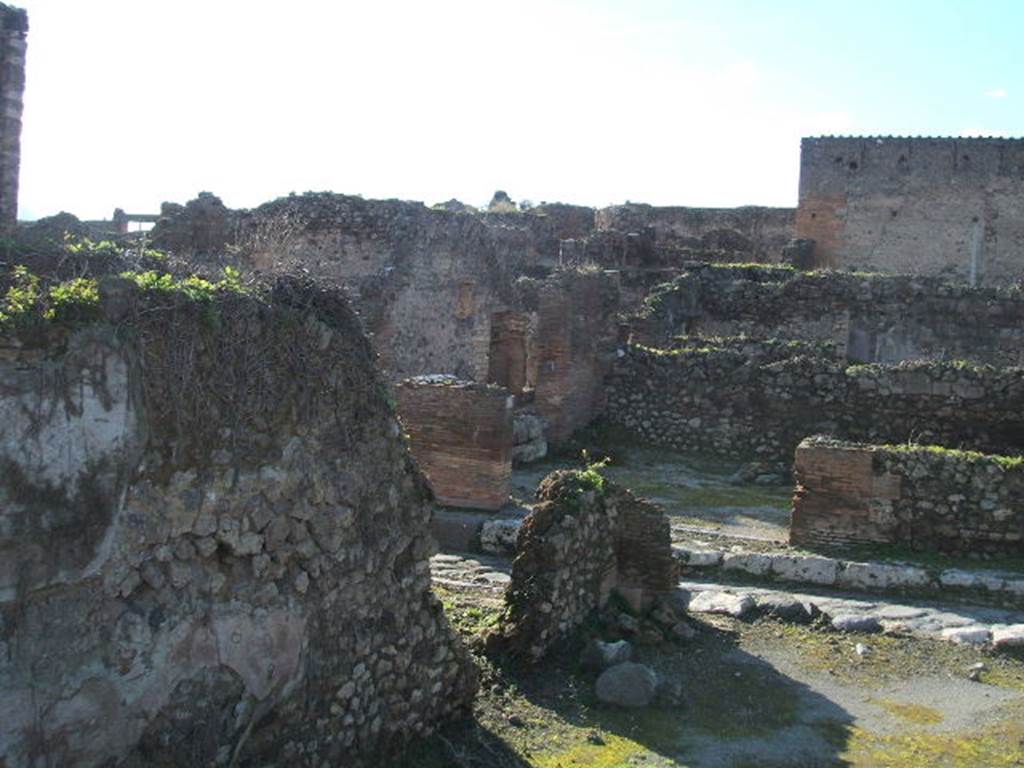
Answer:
(585, 539)
(213, 542)
(922, 497)
(742, 402)
(869, 317)
(461, 436)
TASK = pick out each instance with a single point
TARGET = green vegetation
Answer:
(28, 302)
(915, 714)
(863, 369)
(468, 617)
(592, 478)
(194, 287)
(957, 454)
(766, 269)
(996, 747)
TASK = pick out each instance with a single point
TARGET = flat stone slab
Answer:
(787, 608)
(1008, 637)
(856, 622)
(819, 570)
(971, 635)
(899, 612)
(725, 603)
(697, 557)
(882, 576)
(753, 563)
(952, 623)
(806, 569)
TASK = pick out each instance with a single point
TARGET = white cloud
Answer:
(997, 93)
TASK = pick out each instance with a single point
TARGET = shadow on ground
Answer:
(731, 709)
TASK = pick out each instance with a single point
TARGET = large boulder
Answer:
(627, 685)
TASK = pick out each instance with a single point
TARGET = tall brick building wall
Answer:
(13, 32)
(915, 205)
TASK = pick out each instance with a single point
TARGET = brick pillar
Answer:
(461, 435)
(13, 32)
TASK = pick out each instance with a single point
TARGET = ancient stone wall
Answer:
(574, 345)
(915, 205)
(201, 229)
(440, 291)
(584, 540)
(869, 318)
(213, 542)
(925, 498)
(732, 402)
(748, 233)
(451, 269)
(461, 436)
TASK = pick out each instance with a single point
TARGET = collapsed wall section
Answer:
(584, 540)
(925, 498)
(214, 544)
(461, 435)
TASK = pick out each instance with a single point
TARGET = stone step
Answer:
(1005, 588)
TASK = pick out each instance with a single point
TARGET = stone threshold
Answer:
(819, 570)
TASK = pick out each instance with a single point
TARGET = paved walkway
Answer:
(970, 624)
(960, 623)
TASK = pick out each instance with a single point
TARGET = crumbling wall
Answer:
(450, 269)
(915, 205)
(584, 540)
(427, 282)
(747, 233)
(869, 317)
(201, 229)
(13, 34)
(213, 543)
(925, 498)
(461, 435)
(726, 401)
(574, 345)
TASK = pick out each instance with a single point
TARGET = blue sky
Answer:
(132, 102)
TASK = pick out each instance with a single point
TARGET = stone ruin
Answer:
(461, 436)
(568, 309)
(214, 539)
(921, 498)
(585, 541)
(213, 543)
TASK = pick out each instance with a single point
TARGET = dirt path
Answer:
(697, 492)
